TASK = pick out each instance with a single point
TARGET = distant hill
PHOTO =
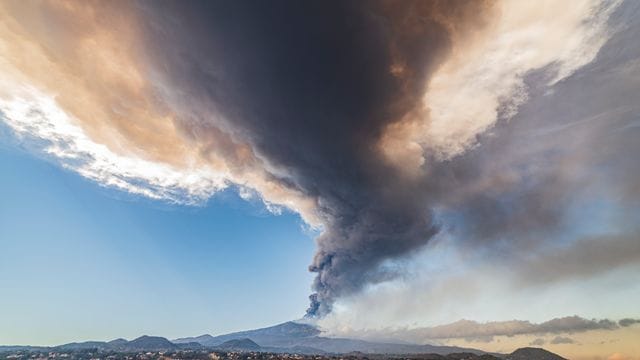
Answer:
(83, 345)
(529, 353)
(520, 354)
(7, 348)
(206, 340)
(146, 342)
(191, 346)
(118, 342)
(239, 345)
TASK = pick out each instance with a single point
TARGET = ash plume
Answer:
(313, 86)
(369, 119)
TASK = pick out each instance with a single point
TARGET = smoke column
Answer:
(353, 114)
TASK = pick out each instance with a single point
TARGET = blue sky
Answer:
(77, 258)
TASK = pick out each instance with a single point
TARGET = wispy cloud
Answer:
(37, 118)
(562, 340)
(468, 329)
(538, 342)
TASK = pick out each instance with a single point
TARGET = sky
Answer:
(443, 172)
(80, 261)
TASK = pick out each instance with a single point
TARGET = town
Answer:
(96, 354)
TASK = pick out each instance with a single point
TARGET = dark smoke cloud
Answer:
(311, 86)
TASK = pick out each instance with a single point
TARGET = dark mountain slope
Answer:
(529, 353)
(146, 342)
(239, 345)
(284, 334)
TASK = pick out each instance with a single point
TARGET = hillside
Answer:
(290, 335)
(530, 353)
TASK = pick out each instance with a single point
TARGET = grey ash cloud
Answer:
(523, 195)
(312, 87)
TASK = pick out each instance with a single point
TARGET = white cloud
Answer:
(35, 115)
(483, 78)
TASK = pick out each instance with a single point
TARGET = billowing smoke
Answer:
(313, 86)
(369, 119)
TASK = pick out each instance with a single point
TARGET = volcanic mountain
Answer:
(291, 335)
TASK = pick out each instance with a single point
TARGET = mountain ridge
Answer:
(289, 337)
(531, 353)
(293, 334)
